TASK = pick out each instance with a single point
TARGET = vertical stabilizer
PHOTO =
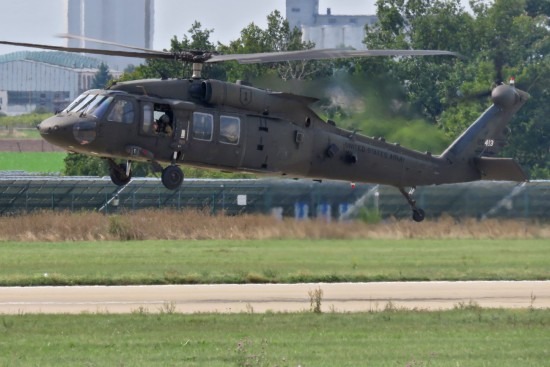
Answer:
(487, 135)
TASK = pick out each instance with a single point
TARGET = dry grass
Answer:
(194, 225)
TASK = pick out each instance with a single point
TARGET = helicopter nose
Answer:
(56, 131)
(46, 128)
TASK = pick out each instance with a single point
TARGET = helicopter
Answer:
(236, 127)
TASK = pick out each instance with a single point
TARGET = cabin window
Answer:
(158, 119)
(203, 124)
(122, 111)
(230, 130)
(164, 119)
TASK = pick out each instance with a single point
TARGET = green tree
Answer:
(500, 39)
(518, 44)
(102, 77)
(276, 37)
(198, 39)
(85, 165)
(428, 81)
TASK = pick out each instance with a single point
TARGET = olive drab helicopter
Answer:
(236, 127)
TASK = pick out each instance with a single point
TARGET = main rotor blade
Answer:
(95, 40)
(256, 58)
(143, 55)
(321, 54)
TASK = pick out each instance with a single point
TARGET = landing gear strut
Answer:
(120, 174)
(172, 177)
(417, 213)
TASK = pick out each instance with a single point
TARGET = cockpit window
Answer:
(95, 103)
(99, 107)
(91, 105)
(122, 111)
(77, 101)
(83, 103)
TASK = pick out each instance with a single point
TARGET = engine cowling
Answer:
(236, 95)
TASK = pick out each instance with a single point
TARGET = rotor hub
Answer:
(504, 96)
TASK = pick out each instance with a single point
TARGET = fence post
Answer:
(213, 207)
(526, 203)
(223, 197)
(268, 200)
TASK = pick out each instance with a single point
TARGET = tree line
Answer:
(422, 102)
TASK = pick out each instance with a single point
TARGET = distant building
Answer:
(3, 101)
(49, 80)
(327, 30)
(128, 22)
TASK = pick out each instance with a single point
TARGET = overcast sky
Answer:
(37, 21)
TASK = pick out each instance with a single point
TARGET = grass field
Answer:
(28, 133)
(261, 261)
(85, 248)
(32, 161)
(48, 248)
(186, 225)
(466, 337)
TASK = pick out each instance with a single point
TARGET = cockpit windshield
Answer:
(82, 104)
(98, 106)
(90, 104)
(74, 103)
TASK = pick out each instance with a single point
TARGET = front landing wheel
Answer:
(172, 177)
(118, 174)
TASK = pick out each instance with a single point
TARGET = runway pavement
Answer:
(231, 298)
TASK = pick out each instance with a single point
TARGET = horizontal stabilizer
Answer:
(500, 169)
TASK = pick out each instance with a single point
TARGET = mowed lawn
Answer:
(284, 261)
(466, 336)
(40, 162)
(462, 337)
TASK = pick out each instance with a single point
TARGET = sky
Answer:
(38, 21)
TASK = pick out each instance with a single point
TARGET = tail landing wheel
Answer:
(172, 177)
(418, 214)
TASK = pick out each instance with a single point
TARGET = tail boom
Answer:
(470, 156)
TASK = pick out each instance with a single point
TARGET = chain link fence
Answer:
(290, 198)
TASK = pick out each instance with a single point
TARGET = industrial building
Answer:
(46, 80)
(51, 80)
(327, 30)
(127, 22)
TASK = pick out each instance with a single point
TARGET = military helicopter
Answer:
(237, 127)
